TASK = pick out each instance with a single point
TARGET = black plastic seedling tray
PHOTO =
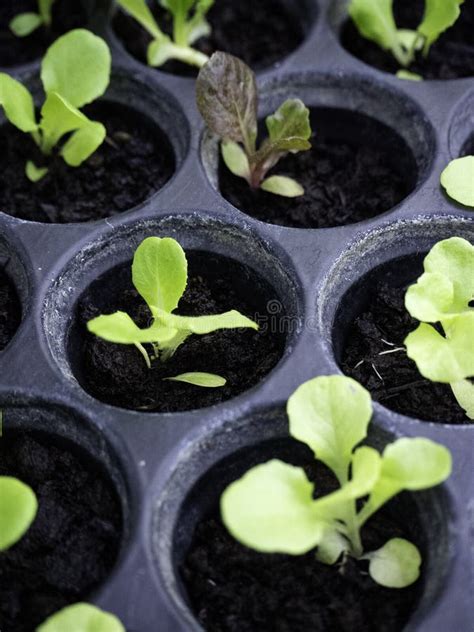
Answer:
(156, 460)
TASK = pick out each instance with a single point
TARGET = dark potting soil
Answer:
(451, 57)
(118, 375)
(356, 169)
(393, 379)
(260, 33)
(10, 309)
(74, 541)
(234, 589)
(134, 161)
(66, 15)
(468, 147)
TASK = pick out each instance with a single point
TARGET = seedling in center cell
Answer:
(24, 24)
(160, 275)
(272, 508)
(189, 24)
(18, 507)
(227, 98)
(443, 344)
(75, 71)
(81, 617)
(375, 21)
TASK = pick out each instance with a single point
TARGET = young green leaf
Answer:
(24, 24)
(160, 272)
(35, 173)
(270, 509)
(206, 380)
(447, 358)
(139, 10)
(407, 464)
(226, 93)
(281, 185)
(18, 507)
(464, 393)
(205, 324)
(396, 564)
(81, 617)
(235, 159)
(375, 21)
(120, 329)
(290, 125)
(18, 104)
(439, 16)
(331, 415)
(332, 545)
(77, 66)
(45, 8)
(458, 180)
(409, 76)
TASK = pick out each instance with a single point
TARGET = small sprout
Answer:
(272, 508)
(227, 97)
(24, 24)
(375, 21)
(189, 24)
(81, 617)
(160, 275)
(443, 295)
(75, 71)
(458, 180)
(18, 507)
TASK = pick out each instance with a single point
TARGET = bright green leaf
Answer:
(77, 66)
(396, 564)
(206, 380)
(81, 617)
(331, 547)
(458, 180)
(25, 23)
(18, 507)
(464, 393)
(281, 185)
(444, 359)
(331, 415)
(439, 16)
(409, 76)
(375, 21)
(34, 173)
(160, 50)
(290, 121)
(205, 324)
(270, 509)
(83, 143)
(45, 10)
(121, 329)
(139, 10)
(18, 104)
(160, 272)
(235, 159)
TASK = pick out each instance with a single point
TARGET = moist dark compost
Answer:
(118, 375)
(134, 161)
(260, 33)
(74, 541)
(235, 589)
(66, 15)
(451, 57)
(10, 308)
(356, 169)
(382, 325)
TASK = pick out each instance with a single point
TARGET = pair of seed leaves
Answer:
(273, 508)
(24, 24)
(443, 295)
(375, 21)
(75, 71)
(227, 97)
(160, 274)
(189, 24)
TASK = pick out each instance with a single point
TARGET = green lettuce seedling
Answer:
(81, 617)
(375, 21)
(24, 24)
(443, 344)
(160, 275)
(227, 98)
(272, 508)
(189, 24)
(75, 71)
(458, 180)
(18, 507)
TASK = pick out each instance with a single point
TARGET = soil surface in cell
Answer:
(66, 15)
(74, 541)
(260, 33)
(392, 378)
(10, 309)
(451, 57)
(232, 588)
(356, 169)
(118, 375)
(135, 160)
